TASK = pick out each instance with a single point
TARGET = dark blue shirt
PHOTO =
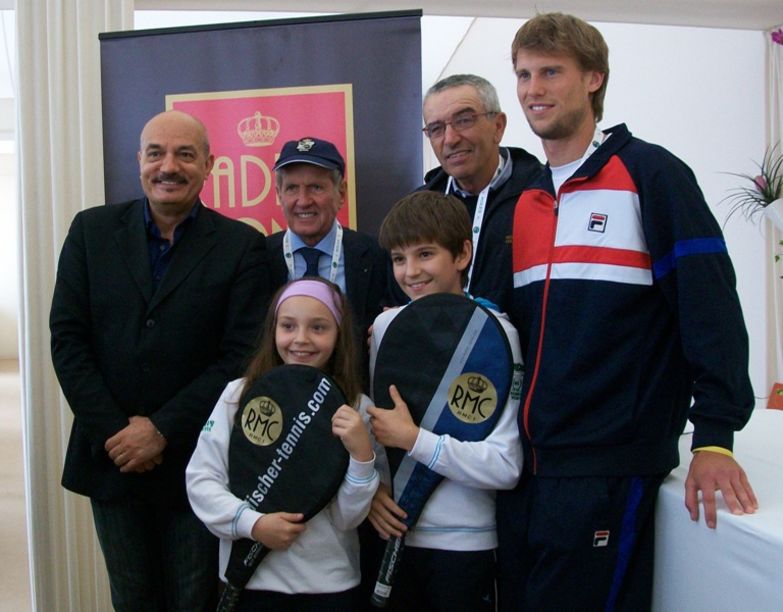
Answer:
(160, 249)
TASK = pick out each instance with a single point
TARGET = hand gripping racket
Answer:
(452, 364)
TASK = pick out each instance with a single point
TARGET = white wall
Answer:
(699, 92)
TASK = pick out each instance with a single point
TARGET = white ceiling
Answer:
(736, 14)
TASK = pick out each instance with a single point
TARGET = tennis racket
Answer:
(282, 457)
(458, 385)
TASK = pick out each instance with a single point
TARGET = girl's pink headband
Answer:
(314, 289)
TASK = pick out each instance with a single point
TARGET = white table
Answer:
(738, 566)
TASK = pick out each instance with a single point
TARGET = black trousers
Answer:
(577, 544)
(271, 601)
(432, 580)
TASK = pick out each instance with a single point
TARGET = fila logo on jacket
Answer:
(594, 232)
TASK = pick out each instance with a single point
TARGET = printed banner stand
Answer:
(351, 79)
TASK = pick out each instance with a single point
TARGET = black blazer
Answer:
(119, 349)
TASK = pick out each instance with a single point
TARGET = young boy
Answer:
(448, 562)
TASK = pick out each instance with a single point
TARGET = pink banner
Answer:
(247, 130)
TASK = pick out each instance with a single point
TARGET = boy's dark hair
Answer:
(557, 33)
(427, 216)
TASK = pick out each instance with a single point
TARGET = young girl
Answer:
(312, 566)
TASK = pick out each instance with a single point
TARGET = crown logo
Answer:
(477, 384)
(304, 145)
(258, 130)
(266, 406)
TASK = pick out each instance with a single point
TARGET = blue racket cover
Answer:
(451, 362)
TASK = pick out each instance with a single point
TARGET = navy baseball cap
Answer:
(311, 151)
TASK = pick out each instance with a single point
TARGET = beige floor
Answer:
(14, 568)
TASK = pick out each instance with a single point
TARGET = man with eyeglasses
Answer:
(465, 125)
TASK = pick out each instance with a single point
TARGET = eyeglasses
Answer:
(459, 122)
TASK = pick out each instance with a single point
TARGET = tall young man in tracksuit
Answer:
(624, 299)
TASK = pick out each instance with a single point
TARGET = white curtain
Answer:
(774, 271)
(60, 154)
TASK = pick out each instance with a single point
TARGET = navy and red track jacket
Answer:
(624, 297)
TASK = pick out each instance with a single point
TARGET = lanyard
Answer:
(598, 138)
(336, 252)
(478, 220)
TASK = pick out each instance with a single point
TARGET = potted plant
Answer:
(764, 194)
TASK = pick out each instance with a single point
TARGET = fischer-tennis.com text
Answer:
(287, 446)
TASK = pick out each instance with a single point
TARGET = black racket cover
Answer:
(282, 455)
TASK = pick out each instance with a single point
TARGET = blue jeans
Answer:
(159, 559)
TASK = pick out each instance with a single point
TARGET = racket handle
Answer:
(389, 565)
(242, 563)
(229, 598)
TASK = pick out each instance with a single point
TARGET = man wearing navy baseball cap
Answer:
(311, 151)
(311, 186)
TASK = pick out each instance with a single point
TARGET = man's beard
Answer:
(563, 127)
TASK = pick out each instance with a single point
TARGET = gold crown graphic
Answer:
(266, 406)
(258, 130)
(477, 384)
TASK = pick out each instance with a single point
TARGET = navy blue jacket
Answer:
(625, 300)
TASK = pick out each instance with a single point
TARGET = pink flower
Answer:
(777, 36)
(758, 190)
